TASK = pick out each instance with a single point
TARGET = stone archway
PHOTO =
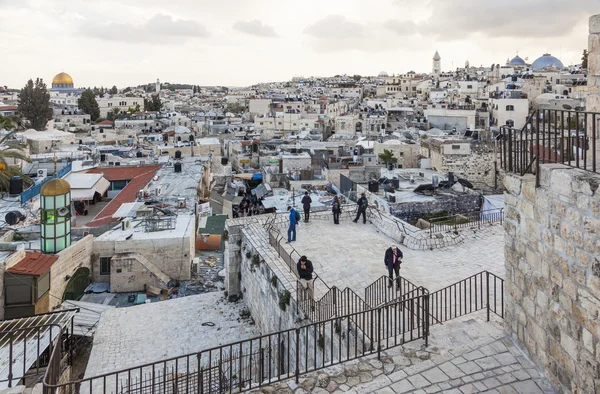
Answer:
(77, 284)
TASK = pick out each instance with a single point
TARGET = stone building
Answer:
(407, 154)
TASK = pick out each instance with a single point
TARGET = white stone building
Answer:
(123, 104)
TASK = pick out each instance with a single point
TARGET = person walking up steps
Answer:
(306, 200)
(294, 219)
(362, 203)
(392, 260)
(336, 208)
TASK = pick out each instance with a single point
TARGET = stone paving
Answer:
(351, 255)
(465, 356)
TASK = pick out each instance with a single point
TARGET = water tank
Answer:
(15, 185)
(395, 183)
(177, 167)
(373, 186)
(102, 157)
(139, 154)
(224, 161)
(390, 166)
(178, 154)
(14, 217)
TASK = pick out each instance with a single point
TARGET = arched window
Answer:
(510, 107)
(510, 123)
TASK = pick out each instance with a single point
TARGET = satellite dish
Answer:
(63, 211)
(567, 106)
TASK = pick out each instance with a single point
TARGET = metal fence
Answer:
(551, 136)
(248, 364)
(34, 190)
(464, 220)
(484, 290)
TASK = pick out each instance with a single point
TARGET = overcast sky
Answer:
(241, 42)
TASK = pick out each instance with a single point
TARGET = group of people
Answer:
(250, 205)
(336, 209)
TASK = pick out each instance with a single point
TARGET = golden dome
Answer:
(62, 79)
(55, 187)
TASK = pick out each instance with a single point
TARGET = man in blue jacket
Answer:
(293, 222)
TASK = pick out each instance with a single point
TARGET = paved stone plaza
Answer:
(351, 255)
(468, 355)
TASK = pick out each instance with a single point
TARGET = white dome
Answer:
(383, 74)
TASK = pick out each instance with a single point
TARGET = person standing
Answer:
(392, 260)
(305, 270)
(294, 217)
(336, 208)
(362, 203)
(306, 200)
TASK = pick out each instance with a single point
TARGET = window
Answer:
(469, 86)
(18, 289)
(510, 107)
(43, 285)
(401, 154)
(118, 185)
(105, 265)
(455, 147)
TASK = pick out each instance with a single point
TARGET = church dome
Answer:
(382, 74)
(517, 61)
(437, 56)
(55, 187)
(62, 79)
(547, 63)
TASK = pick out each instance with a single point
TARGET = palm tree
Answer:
(7, 171)
(387, 157)
(6, 123)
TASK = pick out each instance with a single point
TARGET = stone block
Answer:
(594, 62)
(512, 183)
(593, 44)
(561, 182)
(592, 102)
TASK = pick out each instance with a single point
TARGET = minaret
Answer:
(437, 64)
(467, 64)
(157, 85)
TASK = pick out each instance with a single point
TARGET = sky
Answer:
(242, 42)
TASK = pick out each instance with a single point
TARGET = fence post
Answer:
(379, 334)
(487, 285)
(426, 319)
(297, 355)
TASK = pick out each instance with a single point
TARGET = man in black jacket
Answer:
(305, 270)
(362, 203)
(393, 259)
(306, 200)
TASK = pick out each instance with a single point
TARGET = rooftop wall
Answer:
(553, 273)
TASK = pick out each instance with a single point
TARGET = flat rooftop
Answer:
(351, 255)
(184, 227)
(141, 334)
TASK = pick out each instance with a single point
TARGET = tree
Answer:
(6, 123)
(34, 104)
(584, 59)
(154, 104)
(387, 157)
(134, 110)
(88, 104)
(357, 77)
(15, 151)
(114, 90)
(235, 108)
(113, 115)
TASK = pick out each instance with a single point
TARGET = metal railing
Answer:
(34, 190)
(379, 292)
(464, 220)
(551, 136)
(248, 364)
(484, 290)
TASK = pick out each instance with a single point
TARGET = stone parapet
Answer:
(552, 254)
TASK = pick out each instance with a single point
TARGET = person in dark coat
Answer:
(336, 208)
(305, 270)
(392, 260)
(362, 203)
(306, 200)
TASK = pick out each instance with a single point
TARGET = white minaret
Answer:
(437, 64)
(467, 64)
(157, 85)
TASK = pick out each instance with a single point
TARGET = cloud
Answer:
(335, 27)
(159, 29)
(459, 19)
(255, 28)
(401, 28)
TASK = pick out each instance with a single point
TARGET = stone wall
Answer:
(449, 202)
(552, 256)
(593, 99)
(69, 260)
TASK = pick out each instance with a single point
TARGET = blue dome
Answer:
(547, 63)
(517, 61)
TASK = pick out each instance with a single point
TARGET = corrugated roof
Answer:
(138, 178)
(86, 320)
(22, 332)
(214, 224)
(34, 263)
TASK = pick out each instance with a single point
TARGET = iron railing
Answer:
(472, 219)
(34, 190)
(379, 292)
(484, 290)
(248, 364)
(551, 136)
